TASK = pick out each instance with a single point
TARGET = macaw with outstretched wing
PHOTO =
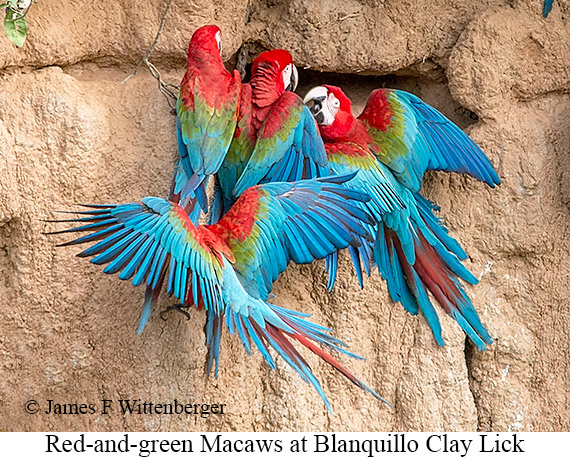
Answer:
(206, 117)
(403, 137)
(229, 267)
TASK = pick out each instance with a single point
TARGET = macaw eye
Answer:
(336, 102)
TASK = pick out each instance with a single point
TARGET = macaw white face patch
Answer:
(329, 109)
(322, 104)
(286, 74)
(219, 40)
(333, 104)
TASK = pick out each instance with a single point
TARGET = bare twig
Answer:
(349, 16)
(152, 46)
(170, 91)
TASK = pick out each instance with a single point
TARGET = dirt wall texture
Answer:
(71, 133)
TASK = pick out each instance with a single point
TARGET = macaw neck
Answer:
(267, 85)
(208, 61)
(346, 128)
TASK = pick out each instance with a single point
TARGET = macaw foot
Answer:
(179, 307)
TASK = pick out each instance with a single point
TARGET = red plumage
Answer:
(240, 219)
(216, 85)
(347, 149)
(378, 111)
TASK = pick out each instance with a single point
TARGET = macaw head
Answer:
(207, 38)
(332, 110)
(276, 68)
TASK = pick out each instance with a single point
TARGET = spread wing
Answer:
(274, 223)
(144, 240)
(276, 219)
(268, 226)
(411, 137)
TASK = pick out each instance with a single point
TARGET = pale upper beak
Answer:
(316, 101)
(294, 80)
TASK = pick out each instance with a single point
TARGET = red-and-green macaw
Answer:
(277, 139)
(404, 137)
(229, 267)
(206, 116)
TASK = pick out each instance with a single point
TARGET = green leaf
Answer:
(15, 30)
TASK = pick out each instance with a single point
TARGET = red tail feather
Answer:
(431, 269)
(436, 275)
(280, 337)
(327, 358)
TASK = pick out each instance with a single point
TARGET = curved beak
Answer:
(294, 80)
(316, 101)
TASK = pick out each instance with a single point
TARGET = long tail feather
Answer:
(278, 333)
(433, 266)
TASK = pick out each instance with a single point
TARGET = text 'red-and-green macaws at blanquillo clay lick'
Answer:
(404, 137)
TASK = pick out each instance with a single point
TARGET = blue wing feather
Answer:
(449, 147)
(169, 242)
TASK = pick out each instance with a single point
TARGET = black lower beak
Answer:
(316, 106)
(319, 117)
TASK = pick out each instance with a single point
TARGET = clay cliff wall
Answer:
(71, 133)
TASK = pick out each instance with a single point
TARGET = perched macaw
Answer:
(229, 268)
(404, 136)
(277, 139)
(206, 117)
